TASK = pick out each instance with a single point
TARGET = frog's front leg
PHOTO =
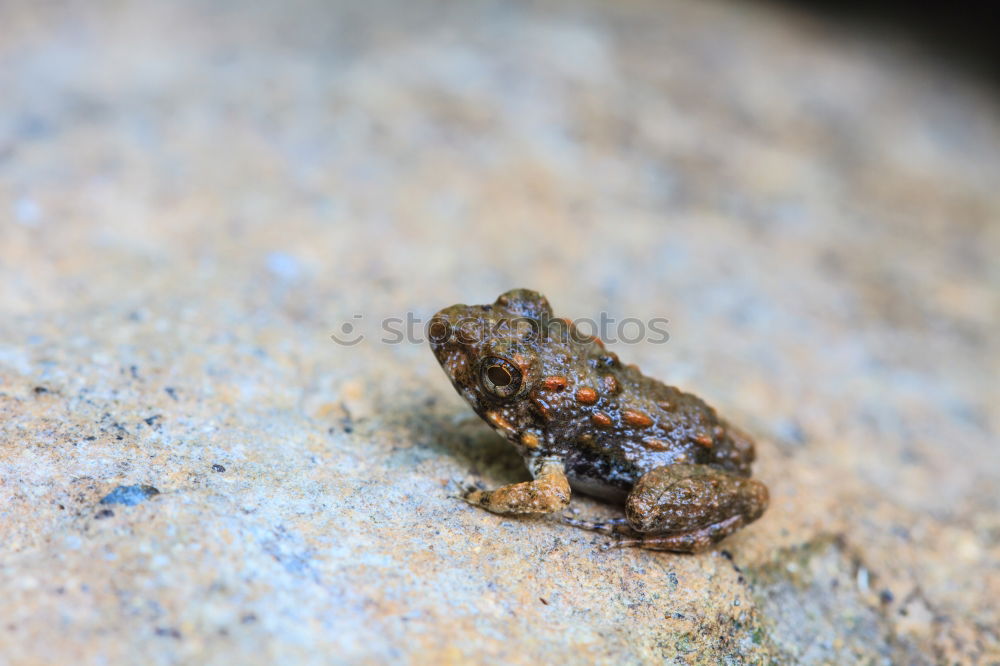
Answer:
(686, 508)
(549, 492)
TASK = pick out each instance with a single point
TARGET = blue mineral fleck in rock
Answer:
(129, 495)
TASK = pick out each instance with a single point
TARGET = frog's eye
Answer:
(500, 377)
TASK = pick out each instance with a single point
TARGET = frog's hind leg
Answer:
(687, 508)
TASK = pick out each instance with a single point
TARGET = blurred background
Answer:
(195, 195)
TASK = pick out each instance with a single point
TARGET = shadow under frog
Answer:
(583, 421)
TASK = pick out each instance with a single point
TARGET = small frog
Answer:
(583, 420)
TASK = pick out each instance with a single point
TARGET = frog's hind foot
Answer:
(683, 542)
(611, 527)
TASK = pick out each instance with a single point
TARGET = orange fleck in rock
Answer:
(655, 444)
(637, 419)
(554, 383)
(586, 396)
(529, 439)
(704, 440)
(601, 420)
(611, 384)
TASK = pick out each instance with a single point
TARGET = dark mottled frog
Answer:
(583, 420)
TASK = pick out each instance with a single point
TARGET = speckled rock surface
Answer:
(193, 198)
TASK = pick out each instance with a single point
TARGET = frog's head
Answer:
(494, 355)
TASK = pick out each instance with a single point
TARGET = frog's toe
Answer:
(622, 542)
(462, 489)
(618, 543)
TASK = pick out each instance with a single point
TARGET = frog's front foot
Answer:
(548, 493)
(687, 508)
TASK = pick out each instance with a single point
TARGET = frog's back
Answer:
(637, 424)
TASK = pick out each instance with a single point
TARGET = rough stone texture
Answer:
(193, 197)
